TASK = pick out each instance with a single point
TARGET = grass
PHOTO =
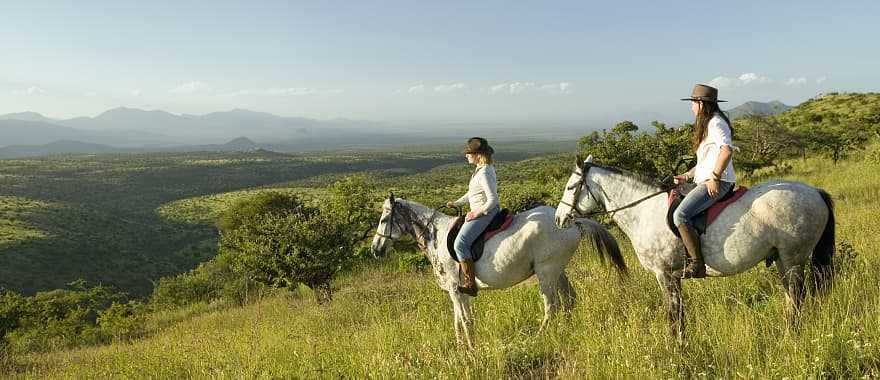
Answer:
(389, 324)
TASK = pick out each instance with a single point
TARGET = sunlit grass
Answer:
(389, 324)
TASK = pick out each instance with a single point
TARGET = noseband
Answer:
(419, 237)
(579, 186)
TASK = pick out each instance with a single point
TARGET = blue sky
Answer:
(451, 61)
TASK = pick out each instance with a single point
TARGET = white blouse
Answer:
(482, 191)
(717, 134)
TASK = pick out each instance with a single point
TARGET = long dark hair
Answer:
(701, 124)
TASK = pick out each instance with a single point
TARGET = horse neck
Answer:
(640, 221)
(424, 215)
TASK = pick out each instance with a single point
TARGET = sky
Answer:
(430, 62)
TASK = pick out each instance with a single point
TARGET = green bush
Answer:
(123, 320)
(297, 245)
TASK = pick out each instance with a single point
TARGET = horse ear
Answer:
(589, 158)
(391, 197)
(578, 160)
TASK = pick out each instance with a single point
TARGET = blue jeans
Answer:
(469, 233)
(697, 201)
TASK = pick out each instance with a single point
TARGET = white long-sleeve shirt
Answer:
(717, 134)
(482, 194)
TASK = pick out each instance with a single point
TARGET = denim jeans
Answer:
(696, 201)
(469, 233)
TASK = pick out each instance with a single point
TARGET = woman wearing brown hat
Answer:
(482, 195)
(713, 173)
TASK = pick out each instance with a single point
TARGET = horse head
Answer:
(577, 200)
(389, 228)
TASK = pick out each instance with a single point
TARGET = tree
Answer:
(653, 155)
(762, 141)
(295, 245)
(832, 136)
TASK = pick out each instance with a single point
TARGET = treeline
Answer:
(832, 125)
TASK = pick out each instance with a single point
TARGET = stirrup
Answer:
(469, 291)
(694, 271)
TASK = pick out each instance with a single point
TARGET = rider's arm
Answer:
(490, 188)
(461, 201)
(720, 133)
(724, 156)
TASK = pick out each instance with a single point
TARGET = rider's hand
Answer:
(471, 215)
(680, 179)
(712, 187)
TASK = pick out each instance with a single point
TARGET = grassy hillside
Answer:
(95, 217)
(384, 323)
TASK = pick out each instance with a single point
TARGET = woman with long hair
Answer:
(713, 174)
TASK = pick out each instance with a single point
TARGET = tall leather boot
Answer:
(470, 283)
(695, 268)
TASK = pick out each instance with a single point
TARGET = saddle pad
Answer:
(705, 218)
(499, 223)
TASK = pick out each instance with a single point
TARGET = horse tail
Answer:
(822, 271)
(604, 243)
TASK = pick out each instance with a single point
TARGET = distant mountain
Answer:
(242, 144)
(27, 116)
(171, 129)
(758, 109)
(56, 148)
(23, 132)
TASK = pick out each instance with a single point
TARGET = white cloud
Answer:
(502, 87)
(448, 88)
(743, 80)
(32, 90)
(796, 81)
(721, 82)
(190, 88)
(819, 80)
(136, 92)
(417, 89)
(558, 88)
(287, 91)
(747, 78)
(521, 87)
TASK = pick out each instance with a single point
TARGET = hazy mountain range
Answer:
(120, 130)
(757, 109)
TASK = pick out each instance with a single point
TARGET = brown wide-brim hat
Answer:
(478, 145)
(705, 93)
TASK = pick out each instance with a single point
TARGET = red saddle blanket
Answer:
(715, 209)
(499, 223)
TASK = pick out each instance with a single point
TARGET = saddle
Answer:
(499, 223)
(702, 221)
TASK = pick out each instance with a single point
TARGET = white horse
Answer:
(531, 245)
(782, 221)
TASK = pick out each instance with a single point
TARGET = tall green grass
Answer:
(387, 324)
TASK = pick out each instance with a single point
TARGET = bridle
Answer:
(419, 237)
(581, 184)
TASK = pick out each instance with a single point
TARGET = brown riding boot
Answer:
(469, 281)
(695, 268)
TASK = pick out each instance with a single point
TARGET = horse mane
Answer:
(644, 179)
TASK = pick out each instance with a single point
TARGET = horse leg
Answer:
(567, 294)
(457, 317)
(464, 317)
(793, 281)
(549, 285)
(671, 286)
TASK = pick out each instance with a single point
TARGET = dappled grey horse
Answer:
(532, 245)
(788, 222)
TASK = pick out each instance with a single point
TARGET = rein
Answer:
(420, 237)
(582, 184)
